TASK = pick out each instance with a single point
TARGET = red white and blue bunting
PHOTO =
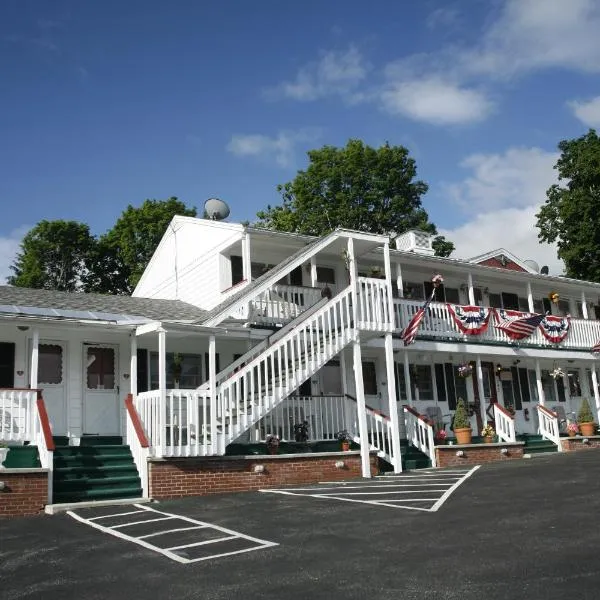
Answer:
(555, 329)
(470, 320)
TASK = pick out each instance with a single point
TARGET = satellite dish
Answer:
(215, 209)
(533, 265)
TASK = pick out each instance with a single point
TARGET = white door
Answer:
(52, 378)
(100, 390)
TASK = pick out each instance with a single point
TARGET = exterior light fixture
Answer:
(259, 468)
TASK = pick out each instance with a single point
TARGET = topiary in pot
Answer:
(585, 418)
(461, 423)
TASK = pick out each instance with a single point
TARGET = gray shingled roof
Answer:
(150, 308)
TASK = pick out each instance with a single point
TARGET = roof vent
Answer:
(417, 241)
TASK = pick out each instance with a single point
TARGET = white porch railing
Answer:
(326, 416)
(438, 324)
(549, 425)
(183, 429)
(42, 437)
(504, 423)
(373, 305)
(17, 414)
(420, 433)
(138, 443)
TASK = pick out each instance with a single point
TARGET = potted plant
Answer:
(301, 431)
(177, 368)
(585, 418)
(461, 424)
(345, 438)
(3, 453)
(488, 434)
(272, 442)
(465, 370)
(440, 437)
(572, 429)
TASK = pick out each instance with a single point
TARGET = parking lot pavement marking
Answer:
(171, 552)
(408, 489)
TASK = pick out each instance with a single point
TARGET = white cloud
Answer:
(9, 245)
(587, 112)
(433, 100)
(501, 197)
(335, 73)
(280, 148)
(443, 18)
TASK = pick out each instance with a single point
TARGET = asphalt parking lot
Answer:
(524, 529)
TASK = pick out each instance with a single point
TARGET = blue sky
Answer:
(103, 104)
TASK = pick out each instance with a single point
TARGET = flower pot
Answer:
(572, 433)
(345, 446)
(272, 449)
(3, 453)
(587, 429)
(463, 435)
(488, 439)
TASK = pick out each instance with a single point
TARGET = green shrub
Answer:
(461, 417)
(585, 414)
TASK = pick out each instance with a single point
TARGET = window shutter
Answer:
(449, 370)
(524, 381)
(560, 387)
(440, 383)
(516, 388)
(7, 366)
(207, 365)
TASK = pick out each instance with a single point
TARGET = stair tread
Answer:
(76, 495)
(101, 481)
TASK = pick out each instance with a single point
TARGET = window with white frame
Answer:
(189, 370)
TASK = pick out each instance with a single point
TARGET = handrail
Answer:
(416, 414)
(504, 423)
(374, 410)
(135, 420)
(547, 410)
(45, 422)
(24, 389)
(503, 410)
(548, 424)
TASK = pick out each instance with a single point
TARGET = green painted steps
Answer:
(94, 471)
(536, 444)
(413, 458)
(22, 457)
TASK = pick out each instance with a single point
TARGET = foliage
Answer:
(465, 370)
(488, 431)
(343, 436)
(54, 255)
(355, 187)
(573, 427)
(570, 214)
(301, 431)
(461, 418)
(585, 414)
(441, 435)
(272, 441)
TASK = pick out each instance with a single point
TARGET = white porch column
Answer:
(246, 260)
(471, 290)
(529, 297)
(388, 281)
(479, 371)
(216, 445)
(162, 389)
(358, 374)
(392, 403)
(409, 397)
(566, 387)
(596, 393)
(133, 366)
(313, 271)
(33, 375)
(584, 308)
(399, 281)
(538, 379)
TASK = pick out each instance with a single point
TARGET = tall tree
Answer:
(355, 187)
(54, 255)
(125, 250)
(570, 215)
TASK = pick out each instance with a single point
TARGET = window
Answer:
(325, 275)
(574, 383)
(413, 291)
(495, 300)
(50, 364)
(259, 269)
(510, 301)
(523, 304)
(7, 365)
(190, 376)
(564, 307)
(421, 378)
(452, 295)
(400, 382)
(369, 378)
(548, 386)
(237, 270)
(539, 306)
(533, 389)
(477, 292)
(100, 368)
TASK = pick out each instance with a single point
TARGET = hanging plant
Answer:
(557, 373)
(465, 370)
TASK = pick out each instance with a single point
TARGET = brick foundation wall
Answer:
(575, 444)
(476, 454)
(25, 492)
(178, 477)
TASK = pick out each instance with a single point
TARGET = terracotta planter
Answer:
(587, 429)
(572, 433)
(272, 449)
(345, 446)
(463, 435)
(488, 439)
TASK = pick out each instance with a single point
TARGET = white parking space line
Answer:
(399, 491)
(172, 552)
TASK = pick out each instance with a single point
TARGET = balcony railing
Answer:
(439, 325)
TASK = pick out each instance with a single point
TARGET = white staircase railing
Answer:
(282, 303)
(420, 433)
(549, 425)
(504, 424)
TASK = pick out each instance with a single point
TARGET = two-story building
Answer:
(236, 333)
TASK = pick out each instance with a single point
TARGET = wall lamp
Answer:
(259, 468)
(460, 453)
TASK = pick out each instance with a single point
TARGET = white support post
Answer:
(347, 403)
(538, 379)
(392, 403)
(212, 381)
(481, 389)
(388, 281)
(162, 390)
(35, 345)
(407, 385)
(246, 260)
(530, 298)
(313, 271)
(399, 281)
(133, 367)
(584, 308)
(596, 393)
(471, 290)
(362, 409)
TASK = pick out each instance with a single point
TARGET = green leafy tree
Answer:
(569, 216)
(54, 255)
(124, 251)
(356, 187)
